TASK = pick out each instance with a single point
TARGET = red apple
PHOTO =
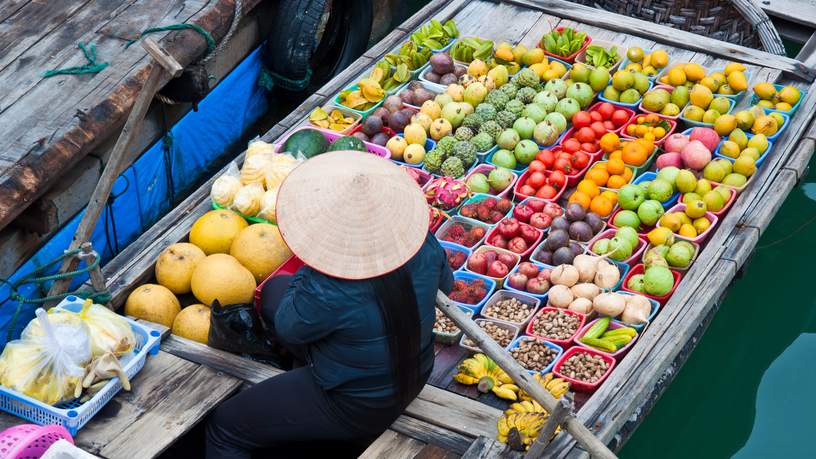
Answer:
(490, 257)
(497, 269)
(477, 263)
(545, 274)
(507, 259)
(498, 241)
(528, 269)
(517, 245)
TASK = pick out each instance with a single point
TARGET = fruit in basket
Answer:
(175, 266)
(657, 281)
(440, 128)
(445, 192)
(696, 155)
(193, 323)
(396, 146)
(214, 231)
(499, 179)
(477, 183)
(334, 120)
(307, 142)
(347, 143)
(455, 113)
(630, 197)
(581, 93)
(153, 303)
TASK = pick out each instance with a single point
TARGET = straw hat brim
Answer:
(352, 215)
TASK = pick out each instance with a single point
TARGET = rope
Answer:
(91, 67)
(195, 27)
(236, 18)
(269, 79)
(790, 235)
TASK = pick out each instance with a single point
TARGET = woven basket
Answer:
(737, 22)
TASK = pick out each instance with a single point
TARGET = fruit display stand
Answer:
(452, 416)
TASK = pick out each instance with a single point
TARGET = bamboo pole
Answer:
(570, 423)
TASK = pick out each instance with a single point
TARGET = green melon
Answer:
(306, 142)
(347, 143)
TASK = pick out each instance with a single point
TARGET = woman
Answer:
(359, 316)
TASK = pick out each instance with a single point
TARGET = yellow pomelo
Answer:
(153, 303)
(175, 265)
(214, 231)
(221, 277)
(260, 248)
(193, 322)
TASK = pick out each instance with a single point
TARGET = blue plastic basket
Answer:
(787, 118)
(74, 415)
(648, 176)
(633, 105)
(802, 95)
(429, 145)
(640, 327)
(457, 248)
(469, 277)
(758, 162)
(693, 123)
(558, 349)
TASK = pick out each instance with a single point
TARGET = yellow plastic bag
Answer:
(109, 331)
(48, 363)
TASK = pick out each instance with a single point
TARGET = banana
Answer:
(502, 426)
(465, 379)
(505, 393)
(527, 406)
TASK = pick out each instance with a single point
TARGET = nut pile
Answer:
(584, 366)
(500, 334)
(510, 309)
(533, 355)
(556, 325)
(444, 324)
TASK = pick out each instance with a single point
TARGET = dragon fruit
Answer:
(446, 193)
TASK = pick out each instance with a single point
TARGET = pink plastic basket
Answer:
(485, 169)
(680, 207)
(331, 136)
(30, 441)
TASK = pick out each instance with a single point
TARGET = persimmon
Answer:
(616, 181)
(610, 142)
(634, 154)
(601, 205)
(615, 166)
(599, 175)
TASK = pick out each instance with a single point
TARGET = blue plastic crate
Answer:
(457, 248)
(74, 415)
(802, 95)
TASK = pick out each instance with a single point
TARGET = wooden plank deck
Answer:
(450, 417)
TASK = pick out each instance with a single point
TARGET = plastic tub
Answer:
(758, 162)
(581, 57)
(558, 349)
(363, 113)
(481, 157)
(466, 223)
(451, 338)
(665, 70)
(485, 169)
(652, 314)
(658, 142)
(670, 89)
(802, 94)
(479, 197)
(456, 248)
(525, 298)
(346, 112)
(674, 268)
(469, 277)
(612, 326)
(637, 252)
(499, 280)
(693, 123)
(331, 136)
(564, 343)
(544, 201)
(571, 58)
(772, 138)
(633, 105)
(513, 329)
(542, 297)
(578, 385)
(523, 178)
(30, 441)
(631, 113)
(531, 246)
(650, 176)
(638, 269)
(736, 97)
(680, 207)
(594, 155)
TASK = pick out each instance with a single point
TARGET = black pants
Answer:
(289, 408)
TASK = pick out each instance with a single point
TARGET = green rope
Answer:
(195, 27)
(91, 67)
(269, 79)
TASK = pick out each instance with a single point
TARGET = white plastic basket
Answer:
(74, 415)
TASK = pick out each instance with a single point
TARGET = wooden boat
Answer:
(178, 387)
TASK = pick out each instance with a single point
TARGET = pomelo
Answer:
(222, 277)
(260, 249)
(193, 322)
(175, 265)
(214, 231)
(154, 303)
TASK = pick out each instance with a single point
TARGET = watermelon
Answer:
(348, 142)
(306, 142)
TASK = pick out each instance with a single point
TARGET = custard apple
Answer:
(506, 118)
(466, 152)
(445, 145)
(482, 141)
(526, 77)
(463, 133)
(472, 121)
(491, 128)
(510, 89)
(453, 167)
(434, 160)
(526, 95)
(515, 107)
(498, 99)
(486, 111)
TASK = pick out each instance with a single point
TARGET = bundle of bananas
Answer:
(527, 406)
(519, 430)
(556, 386)
(488, 377)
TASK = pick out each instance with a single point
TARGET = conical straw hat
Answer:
(352, 215)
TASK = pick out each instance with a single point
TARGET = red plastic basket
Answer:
(530, 248)
(288, 268)
(595, 155)
(657, 142)
(519, 196)
(638, 269)
(564, 343)
(571, 58)
(575, 384)
(617, 107)
(610, 233)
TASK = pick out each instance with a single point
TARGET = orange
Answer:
(599, 175)
(601, 206)
(615, 166)
(617, 154)
(627, 174)
(580, 198)
(616, 181)
(610, 142)
(634, 154)
(589, 188)
(610, 195)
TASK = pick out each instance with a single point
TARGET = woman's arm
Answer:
(302, 316)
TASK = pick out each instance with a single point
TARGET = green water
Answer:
(747, 390)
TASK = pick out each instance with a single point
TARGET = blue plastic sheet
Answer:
(147, 190)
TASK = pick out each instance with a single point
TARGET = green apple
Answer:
(630, 197)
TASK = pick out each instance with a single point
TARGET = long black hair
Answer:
(400, 312)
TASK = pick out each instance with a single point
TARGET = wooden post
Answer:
(562, 408)
(161, 62)
(570, 423)
(89, 256)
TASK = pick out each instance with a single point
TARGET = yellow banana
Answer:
(502, 426)
(465, 379)
(503, 392)
(512, 387)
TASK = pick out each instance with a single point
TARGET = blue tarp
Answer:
(142, 194)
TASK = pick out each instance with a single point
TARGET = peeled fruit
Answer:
(214, 231)
(175, 266)
(260, 249)
(221, 277)
(193, 323)
(153, 303)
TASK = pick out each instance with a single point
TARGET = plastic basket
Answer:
(436, 87)
(541, 297)
(429, 145)
(612, 326)
(638, 269)
(558, 349)
(693, 123)
(30, 441)
(802, 95)
(456, 248)
(346, 112)
(479, 197)
(638, 170)
(670, 89)
(643, 231)
(466, 223)
(425, 84)
(513, 329)
(331, 136)
(451, 338)
(650, 176)
(637, 252)
(582, 386)
(469, 277)
(759, 160)
(626, 62)
(680, 207)
(658, 142)
(74, 415)
(652, 314)
(571, 58)
(617, 130)
(530, 246)
(564, 343)
(485, 169)
(607, 45)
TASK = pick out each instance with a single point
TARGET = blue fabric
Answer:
(340, 323)
(143, 194)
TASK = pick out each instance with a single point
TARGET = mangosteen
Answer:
(442, 63)
(380, 138)
(448, 78)
(421, 96)
(398, 120)
(432, 76)
(393, 103)
(557, 238)
(560, 223)
(576, 248)
(361, 135)
(545, 256)
(459, 71)
(594, 222)
(407, 96)
(372, 125)
(415, 85)
(562, 256)
(575, 212)
(580, 231)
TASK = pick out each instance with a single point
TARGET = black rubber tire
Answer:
(291, 48)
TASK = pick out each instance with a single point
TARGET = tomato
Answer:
(547, 157)
(546, 192)
(591, 147)
(564, 155)
(584, 135)
(580, 160)
(536, 179)
(564, 165)
(606, 110)
(609, 125)
(598, 128)
(571, 145)
(596, 116)
(537, 166)
(527, 190)
(581, 119)
(557, 179)
(620, 117)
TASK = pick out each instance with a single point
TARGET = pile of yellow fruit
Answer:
(782, 100)
(689, 222)
(737, 145)
(649, 64)
(730, 81)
